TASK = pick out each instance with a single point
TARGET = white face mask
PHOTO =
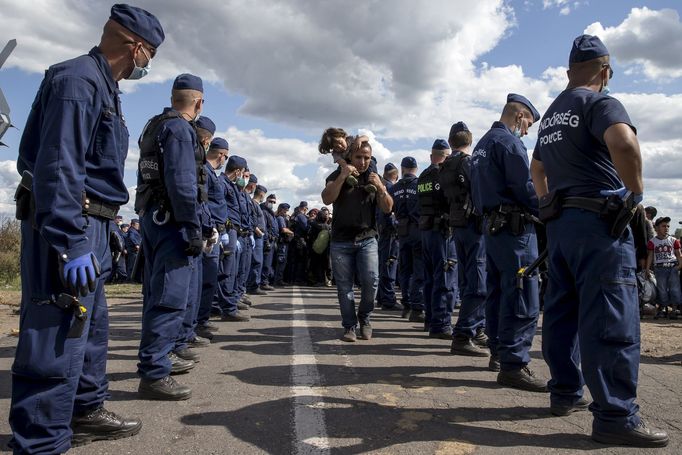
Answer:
(139, 72)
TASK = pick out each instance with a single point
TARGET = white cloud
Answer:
(9, 179)
(649, 39)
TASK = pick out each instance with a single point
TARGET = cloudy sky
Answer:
(278, 72)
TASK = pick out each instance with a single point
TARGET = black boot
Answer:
(523, 379)
(640, 436)
(99, 425)
(416, 316)
(463, 345)
(179, 365)
(561, 410)
(163, 389)
(187, 354)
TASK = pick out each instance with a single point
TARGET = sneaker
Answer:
(100, 425)
(237, 317)
(349, 335)
(417, 316)
(267, 287)
(561, 410)
(463, 345)
(178, 365)
(640, 436)
(494, 363)
(187, 354)
(199, 342)
(163, 389)
(365, 331)
(523, 379)
(447, 335)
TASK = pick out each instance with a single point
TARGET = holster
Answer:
(23, 197)
(619, 212)
(496, 221)
(550, 206)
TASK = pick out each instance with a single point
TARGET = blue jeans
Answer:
(667, 286)
(349, 259)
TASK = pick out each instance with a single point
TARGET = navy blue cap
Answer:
(236, 162)
(408, 162)
(389, 167)
(283, 205)
(124, 225)
(118, 217)
(134, 220)
(272, 196)
(457, 127)
(261, 189)
(253, 178)
(140, 22)
(188, 81)
(218, 142)
(303, 204)
(206, 123)
(587, 47)
(514, 98)
(440, 144)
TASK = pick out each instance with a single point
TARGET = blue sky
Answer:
(513, 46)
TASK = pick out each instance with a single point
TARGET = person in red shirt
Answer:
(664, 256)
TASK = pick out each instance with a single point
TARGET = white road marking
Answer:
(310, 429)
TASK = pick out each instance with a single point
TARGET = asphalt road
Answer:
(284, 383)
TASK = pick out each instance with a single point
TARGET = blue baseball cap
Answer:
(303, 204)
(261, 189)
(236, 162)
(134, 220)
(514, 98)
(587, 47)
(206, 123)
(272, 196)
(389, 167)
(140, 22)
(218, 142)
(440, 144)
(458, 127)
(188, 81)
(409, 163)
(253, 178)
(283, 205)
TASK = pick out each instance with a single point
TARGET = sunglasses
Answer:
(606, 65)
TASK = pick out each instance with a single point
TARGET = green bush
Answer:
(10, 246)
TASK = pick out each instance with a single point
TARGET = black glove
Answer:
(194, 247)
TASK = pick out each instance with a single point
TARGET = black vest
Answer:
(457, 189)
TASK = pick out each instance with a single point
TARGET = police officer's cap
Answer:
(124, 225)
(284, 206)
(188, 81)
(440, 144)
(458, 127)
(207, 124)
(514, 98)
(409, 163)
(236, 162)
(261, 189)
(303, 204)
(663, 219)
(118, 217)
(140, 22)
(218, 142)
(134, 221)
(253, 178)
(587, 47)
(272, 196)
(389, 167)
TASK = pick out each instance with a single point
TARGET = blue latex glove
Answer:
(621, 192)
(239, 247)
(80, 274)
(252, 242)
(225, 241)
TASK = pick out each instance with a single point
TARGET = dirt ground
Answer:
(661, 339)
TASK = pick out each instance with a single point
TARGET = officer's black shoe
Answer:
(523, 379)
(640, 436)
(406, 312)
(463, 345)
(257, 291)
(237, 317)
(203, 332)
(267, 287)
(447, 335)
(480, 339)
(199, 342)
(187, 354)
(242, 306)
(246, 299)
(179, 365)
(99, 425)
(365, 331)
(416, 316)
(163, 389)
(494, 363)
(561, 410)
(396, 307)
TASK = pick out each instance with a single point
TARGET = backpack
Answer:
(321, 242)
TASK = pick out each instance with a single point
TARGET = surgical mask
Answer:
(269, 205)
(517, 132)
(140, 71)
(605, 89)
(241, 183)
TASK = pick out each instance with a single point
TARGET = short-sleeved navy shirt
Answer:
(571, 142)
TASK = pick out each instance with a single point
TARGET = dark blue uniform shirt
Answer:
(301, 225)
(385, 220)
(270, 221)
(245, 210)
(260, 217)
(133, 239)
(232, 201)
(405, 200)
(75, 141)
(571, 142)
(216, 197)
(500, 172)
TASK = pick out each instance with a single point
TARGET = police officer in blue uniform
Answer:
(503, 192)
(301, 228)
(133, 242)
(440, 260)
(587, 168)
(468, 337)
(285, 236)
(227, 296)
(246, 238)
(187, 337)
(169, 200)
(406, 209)
(270, 242)
(388, 249)
(119, 273)
(216, 157)
(58, 396)
(260, 234)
